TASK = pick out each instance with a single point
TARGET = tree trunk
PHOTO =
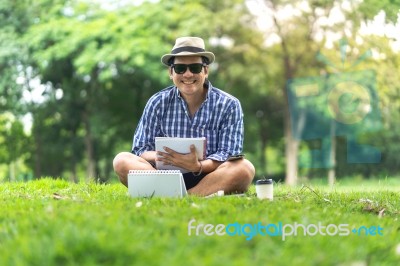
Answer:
(291, 144)
(38, 155)
(264, 163)
(263, 133)
(332, 156)
(11, 168)
(91, 165)
(74, 160)
(74, 177)
(291, 153)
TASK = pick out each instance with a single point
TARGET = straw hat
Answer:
(188, 46)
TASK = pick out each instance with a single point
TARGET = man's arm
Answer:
(230, 140)
(149, 156)
(143, 139)
(187, 161)
(209, 165)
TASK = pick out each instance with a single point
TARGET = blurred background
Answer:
(75, 76)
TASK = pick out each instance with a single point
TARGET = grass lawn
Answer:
(53, 222)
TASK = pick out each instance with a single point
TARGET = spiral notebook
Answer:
(156, 183)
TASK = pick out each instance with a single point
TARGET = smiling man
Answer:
(190, 108)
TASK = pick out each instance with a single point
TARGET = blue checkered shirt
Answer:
(219, 119)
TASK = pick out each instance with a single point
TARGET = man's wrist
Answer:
(200, 171)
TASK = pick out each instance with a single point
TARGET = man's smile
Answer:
(189, 82)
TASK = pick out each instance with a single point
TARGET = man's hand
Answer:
(187, 161)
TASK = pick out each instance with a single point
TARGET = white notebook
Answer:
(157, 183)
(181, 145)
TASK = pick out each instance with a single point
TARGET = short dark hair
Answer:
(203, 59)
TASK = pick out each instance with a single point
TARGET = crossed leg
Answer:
(230, 176)
(126, 161)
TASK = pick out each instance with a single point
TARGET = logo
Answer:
(249, 231)
(336, 104)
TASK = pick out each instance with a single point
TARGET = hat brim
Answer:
(210, 56)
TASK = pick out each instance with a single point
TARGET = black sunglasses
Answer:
(181, 68)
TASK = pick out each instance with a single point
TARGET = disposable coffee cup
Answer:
(265, 189)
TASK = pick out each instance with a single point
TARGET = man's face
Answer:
(188, 83)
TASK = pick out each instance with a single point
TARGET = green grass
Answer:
(53, 222)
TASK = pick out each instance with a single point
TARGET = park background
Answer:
(75, 76)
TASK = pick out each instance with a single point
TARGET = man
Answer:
(192, 108)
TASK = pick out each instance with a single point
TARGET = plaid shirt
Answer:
(219, 119)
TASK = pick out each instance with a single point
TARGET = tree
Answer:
(101, 66)
(12, 54)
(296, 48)
(368, 9)
(301, 35)
(13, 143)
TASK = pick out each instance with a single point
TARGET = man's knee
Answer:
(120, 161)
(249, 169)
(120, 164)
(241, 171)
(246, 173)
(243, 167)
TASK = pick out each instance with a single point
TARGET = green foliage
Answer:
(13, 147)
(98, 67)
(53, 222)
(370, 8)
(13, 140)
(10, 48)
(108, 69)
